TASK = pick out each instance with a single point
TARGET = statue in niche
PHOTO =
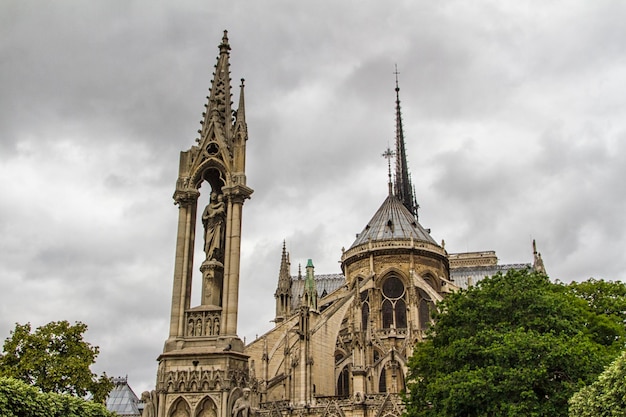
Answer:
(242, 405)
(213, 219)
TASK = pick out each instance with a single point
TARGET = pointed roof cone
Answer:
(393, 221)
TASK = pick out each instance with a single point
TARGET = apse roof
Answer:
(393, 221)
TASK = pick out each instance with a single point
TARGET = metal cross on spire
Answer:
(388, 154)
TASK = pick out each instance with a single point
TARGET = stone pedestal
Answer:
(212, 282)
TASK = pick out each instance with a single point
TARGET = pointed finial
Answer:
(396, 74)
(224, 46)
(241, 110)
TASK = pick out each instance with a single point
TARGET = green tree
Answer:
(606, 397)
(607, 299)
(18, 399)
(54, 358)
(514, 344)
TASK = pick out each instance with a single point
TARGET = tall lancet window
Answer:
(425, 308)
(365, 310)
(394, 306)
(343, 383)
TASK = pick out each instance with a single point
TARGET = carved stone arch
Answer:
(213, 171)
(341, 354)
(206, 408)
(179, 408)
(392, 368)
(389, 271)
(360, 278)
(432, 280)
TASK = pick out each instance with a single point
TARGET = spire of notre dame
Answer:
(402, 187)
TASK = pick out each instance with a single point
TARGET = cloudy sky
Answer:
(514, 114)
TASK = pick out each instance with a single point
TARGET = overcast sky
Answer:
(514, 117)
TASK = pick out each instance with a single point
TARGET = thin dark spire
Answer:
(403, 187)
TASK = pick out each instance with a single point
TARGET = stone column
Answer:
(235, 195)
(181, 293)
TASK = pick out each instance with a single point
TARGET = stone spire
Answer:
(403, 186)
(537, 261)
(310, 289)
(219, 105)
(283, 291)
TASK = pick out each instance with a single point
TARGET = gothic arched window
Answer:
(365, 316)
(393, 306)
(343, 383)
(424, 309)
(365, 310)
(382, 382)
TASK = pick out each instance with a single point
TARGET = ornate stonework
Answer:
(202, 370)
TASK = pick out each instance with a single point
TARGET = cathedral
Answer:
(341, 342)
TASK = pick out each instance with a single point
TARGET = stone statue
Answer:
(242, 405)
(150, 403)
(213, 219)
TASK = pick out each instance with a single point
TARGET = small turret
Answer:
(283, 291)
(309, 297)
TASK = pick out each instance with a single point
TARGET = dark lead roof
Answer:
(393, 221)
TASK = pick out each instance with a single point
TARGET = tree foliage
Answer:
(18, 399)
(607, 299)
(606, 397)
(514, 344)
(54, 358)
